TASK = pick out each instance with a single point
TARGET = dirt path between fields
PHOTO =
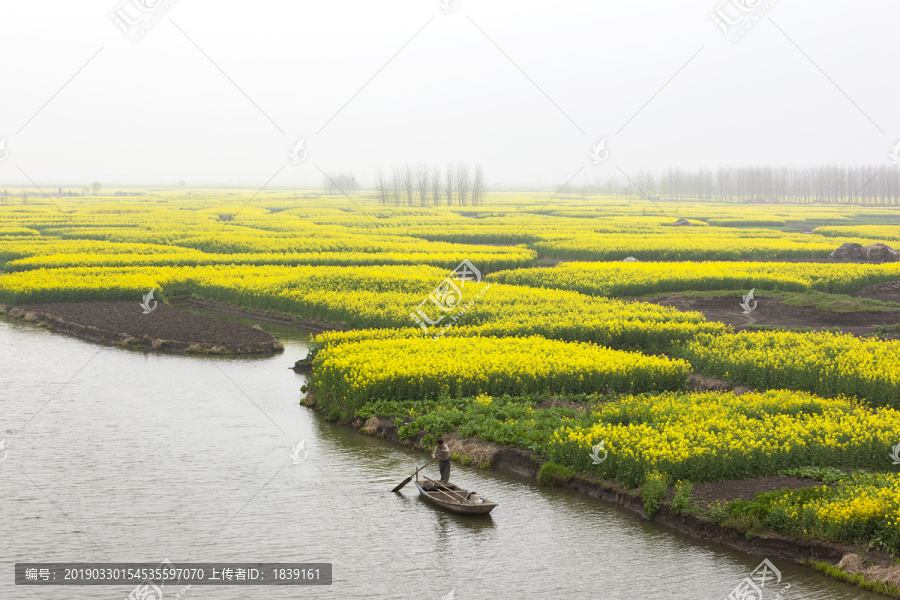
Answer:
(270, 316)
(771, 312)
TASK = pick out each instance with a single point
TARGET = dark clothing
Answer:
(444, 466)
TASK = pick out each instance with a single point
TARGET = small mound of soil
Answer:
(746, 489)
(874, 252)
(165, 328)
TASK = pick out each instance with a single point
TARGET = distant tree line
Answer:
(824, 184)
(424, 185)
(342, 183)
(5, 195)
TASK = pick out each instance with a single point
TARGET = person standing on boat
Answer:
(442, 453)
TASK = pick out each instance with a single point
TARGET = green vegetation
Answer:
(653, 492)
(683, 501)
(554, 474)
(856, 579)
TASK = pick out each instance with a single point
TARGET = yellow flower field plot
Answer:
(385, 297)
(235, 240)
(373, 297)
(694, 210)
(720, 243)
(173, 256)
(80, 285)
(615, 327)
(166, 237)
(825, 363)
(636, 278)
(417, 368)
(719, 436)
(874, 232)
(747, 221)
(11, 232)
(863, 507)
(223, 223)
(23, 254)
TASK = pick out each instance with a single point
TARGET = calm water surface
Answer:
(116, 455)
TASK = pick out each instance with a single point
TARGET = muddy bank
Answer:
(260, 315)
(767, 544)
(526, 463)
(506, 458)
(772, 312)
(165, 328)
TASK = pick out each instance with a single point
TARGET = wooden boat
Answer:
(454, 498)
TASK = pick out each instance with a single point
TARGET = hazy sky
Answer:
(219, 92)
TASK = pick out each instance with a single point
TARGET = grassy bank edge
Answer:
(854, 579)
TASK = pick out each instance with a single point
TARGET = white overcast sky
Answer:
(523, 88)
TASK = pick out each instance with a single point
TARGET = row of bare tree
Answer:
(425, 185)
(823, 184)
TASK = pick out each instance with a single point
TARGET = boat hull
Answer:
(448, 502)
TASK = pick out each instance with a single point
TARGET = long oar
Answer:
(408, 479)
(446, 489)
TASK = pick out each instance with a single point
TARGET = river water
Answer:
(124, 456)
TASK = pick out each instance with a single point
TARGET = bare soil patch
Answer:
(165, 328)
(745, 489)
(771, 312)
(889, 291)
(281, 318)
(556, 402)
(704, 383)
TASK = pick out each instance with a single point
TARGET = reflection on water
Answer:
(118, 455)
